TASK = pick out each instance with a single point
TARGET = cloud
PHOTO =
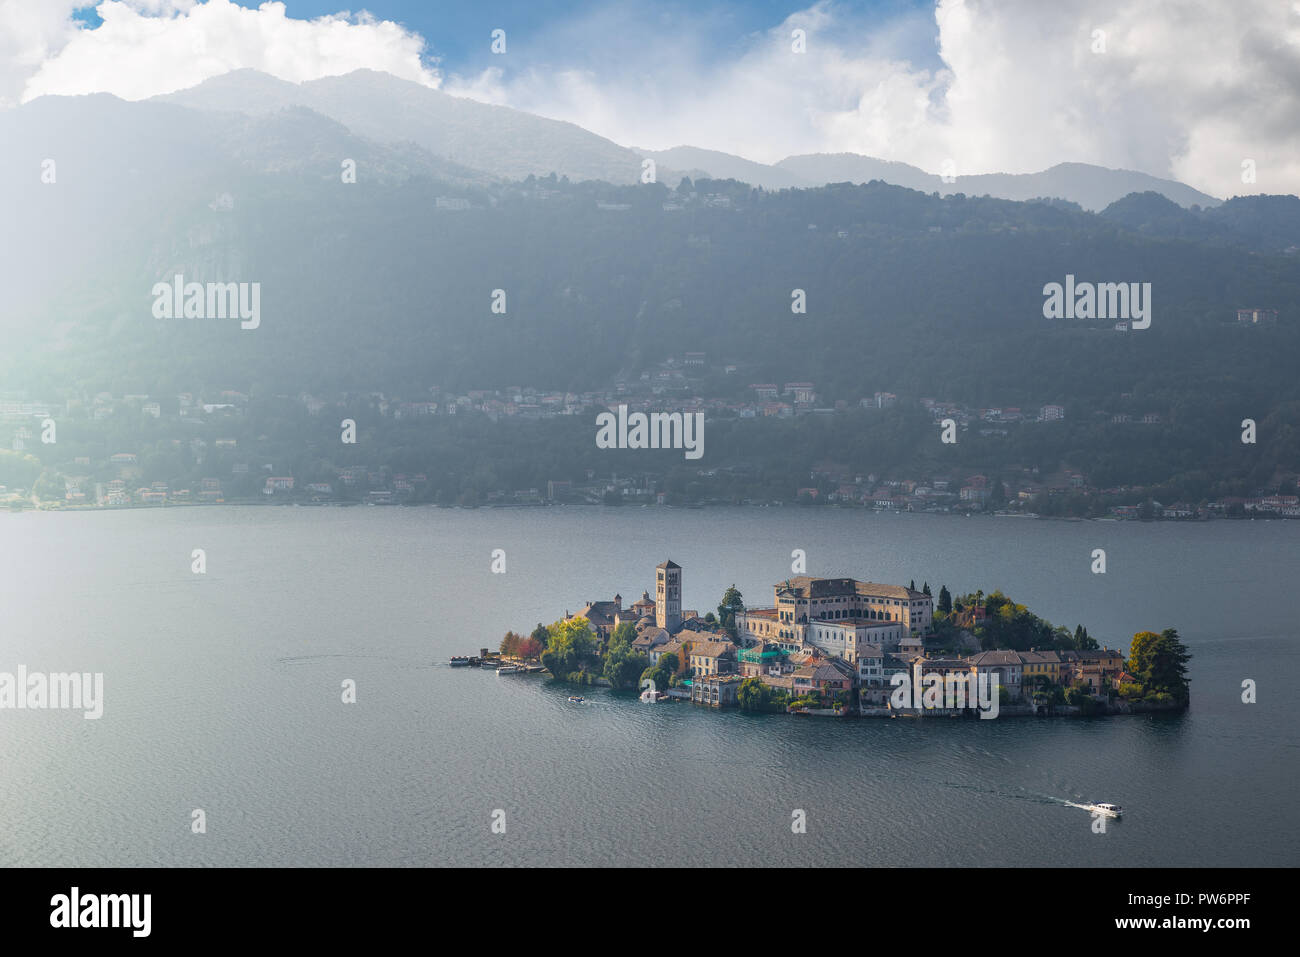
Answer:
(30, 33)
(1188, 89)
(659, 83)
(146, 47)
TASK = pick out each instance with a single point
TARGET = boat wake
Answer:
(1025, 796)
(1081, 807)
(1110, 810)
(1031, 796)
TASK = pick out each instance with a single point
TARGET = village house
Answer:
(1098, 667)
(671, 647)
(823, 675)
(1040, 664)
(651, 641)
(763, 659)
(1004, 667)
(871, 665)
(713, 658)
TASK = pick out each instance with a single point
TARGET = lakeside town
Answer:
(137, 449)
(842, 646)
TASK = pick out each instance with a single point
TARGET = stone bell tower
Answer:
(668, 596)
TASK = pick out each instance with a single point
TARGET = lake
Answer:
(222, 692)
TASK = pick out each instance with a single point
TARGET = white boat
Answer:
(577, 699)
(509, 670)
(1110, 810)
(651, 697)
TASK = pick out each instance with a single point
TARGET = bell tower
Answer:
(668, 596)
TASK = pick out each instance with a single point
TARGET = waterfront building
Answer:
(871, 665)
(716, 691)
(1100, 666)
(1041, 664)
(823, 675)
(1004, 666)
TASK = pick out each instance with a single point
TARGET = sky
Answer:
(1203, 91)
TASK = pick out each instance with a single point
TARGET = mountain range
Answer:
(508, 143)
(387, 283)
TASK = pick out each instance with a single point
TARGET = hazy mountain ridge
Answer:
(120, 168)
(718, 165)
(513, 144)
(494, 139)
(371, 283)
(1092, 187)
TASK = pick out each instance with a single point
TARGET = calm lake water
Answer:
(222, 692)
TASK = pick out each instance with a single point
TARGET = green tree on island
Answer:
(732, 602)
(541, 635)
(662, 673)
(623, 665)
(1159, 663)
(945, 600)
(754, 695)
(571, 647)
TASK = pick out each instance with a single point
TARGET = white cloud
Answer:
(30, 33)
(1185, 88)
(146, 47)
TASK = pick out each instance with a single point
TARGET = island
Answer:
(842, 646)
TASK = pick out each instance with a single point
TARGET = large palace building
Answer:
(838, 615)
